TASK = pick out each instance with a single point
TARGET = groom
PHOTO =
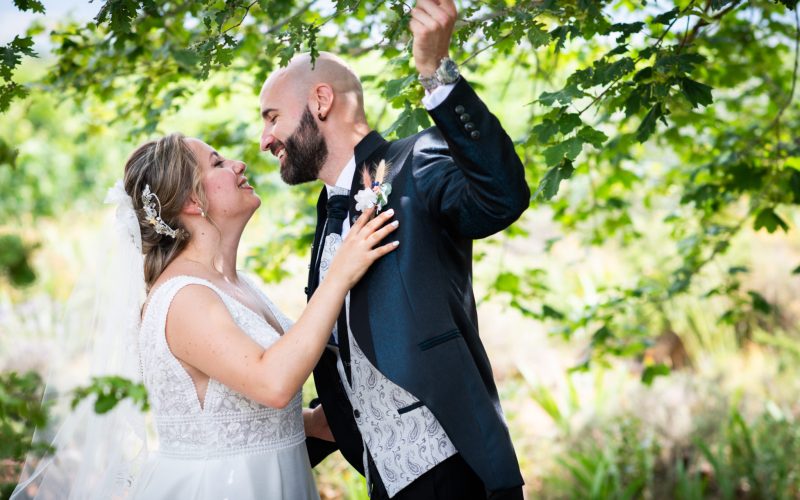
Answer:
(405, 382)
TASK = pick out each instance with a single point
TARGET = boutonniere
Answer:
(376, 191)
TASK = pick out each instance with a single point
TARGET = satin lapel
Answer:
(367, 153)
(313, 269)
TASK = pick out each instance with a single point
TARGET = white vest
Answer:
(402, 436)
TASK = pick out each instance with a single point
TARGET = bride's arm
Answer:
(201, 332)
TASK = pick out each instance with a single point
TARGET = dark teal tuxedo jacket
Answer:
(413, 313)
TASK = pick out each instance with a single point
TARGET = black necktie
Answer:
(337, 212)
(337, 208)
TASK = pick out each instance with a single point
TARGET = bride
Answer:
(223, 367)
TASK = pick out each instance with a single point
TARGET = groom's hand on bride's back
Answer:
(432, 23)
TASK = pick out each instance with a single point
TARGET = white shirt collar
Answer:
(345, 179)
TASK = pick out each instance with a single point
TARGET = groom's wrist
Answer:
(445, 72)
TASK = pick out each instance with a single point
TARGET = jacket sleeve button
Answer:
(465, 117)
(475, 135)
(459, 109)
(469, 126)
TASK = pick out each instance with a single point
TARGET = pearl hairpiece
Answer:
(153, 214)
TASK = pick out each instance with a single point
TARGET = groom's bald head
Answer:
(301, 79)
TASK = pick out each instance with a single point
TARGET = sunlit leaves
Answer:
(524, 292)
(667, 17)
(594, 137)
(548, 186)
(10, 57)
(652, 371)
(697, 93)
(769, 220)
(31, 5)
(648, 125)
(109, 391)
(563, 96)
(21, 412)
(15, 260)
(568, 149)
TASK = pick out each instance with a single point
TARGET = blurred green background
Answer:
(642, 316)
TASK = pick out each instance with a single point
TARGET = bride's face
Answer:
(228, 193)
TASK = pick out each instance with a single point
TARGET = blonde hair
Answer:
(170, 168)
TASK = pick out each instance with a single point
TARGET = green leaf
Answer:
(593, 136)
(768, 219)
(652, 371)
(393, 88)
(760, 304)
(32, 5)
(569, 149)
(667, 17)
(697, 93)
(563, 96)
(507, 282)
(545, 130)
(537, 35)
(408, 122)
(549, 185)
(796, 270)
(550, 312)
(568, 121)
(648, 125)
(601, 335)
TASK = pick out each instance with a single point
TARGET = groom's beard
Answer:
(306, 152)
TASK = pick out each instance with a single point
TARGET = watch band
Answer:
(446, 73)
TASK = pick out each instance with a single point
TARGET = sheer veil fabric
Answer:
(97, 456)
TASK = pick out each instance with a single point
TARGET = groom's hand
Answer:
(432, 23)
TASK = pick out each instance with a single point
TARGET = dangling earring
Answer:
(202, 213)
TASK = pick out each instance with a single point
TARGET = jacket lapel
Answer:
(367, 153)
(313, 269)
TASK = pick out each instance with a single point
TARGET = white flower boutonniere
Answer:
(376, 191)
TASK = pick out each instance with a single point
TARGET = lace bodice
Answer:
(228, 423)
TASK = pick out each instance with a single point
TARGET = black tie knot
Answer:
(337, 207)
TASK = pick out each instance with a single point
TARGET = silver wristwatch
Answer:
(446, 73)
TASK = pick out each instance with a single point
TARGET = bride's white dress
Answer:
(231, 447)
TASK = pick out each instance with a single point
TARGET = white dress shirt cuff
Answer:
(439, 94)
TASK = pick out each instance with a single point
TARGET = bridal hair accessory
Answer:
(376, 191)
(153, 214)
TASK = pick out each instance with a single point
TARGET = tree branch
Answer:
(655, 45)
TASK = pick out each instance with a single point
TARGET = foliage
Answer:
(15, 258)
(681, 111)
(738, 459)
(21, 411)
(108, 391)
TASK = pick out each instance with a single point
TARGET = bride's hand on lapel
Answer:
(359, 249)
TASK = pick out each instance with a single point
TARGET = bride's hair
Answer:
(170, 168)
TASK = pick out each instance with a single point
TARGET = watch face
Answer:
(447, 71)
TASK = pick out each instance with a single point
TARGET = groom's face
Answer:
(291, 133)
(304, 152)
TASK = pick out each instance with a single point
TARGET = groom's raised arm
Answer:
(469, 176)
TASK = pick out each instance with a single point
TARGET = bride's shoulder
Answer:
(170, 284)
